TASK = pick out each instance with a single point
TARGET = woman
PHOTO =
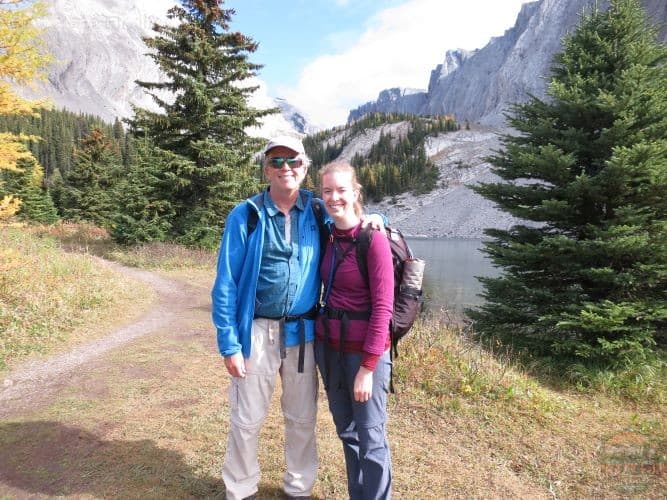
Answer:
(352, 336)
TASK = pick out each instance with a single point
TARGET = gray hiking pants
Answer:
(361, 427)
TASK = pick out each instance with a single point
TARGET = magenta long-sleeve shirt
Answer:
(349, 291)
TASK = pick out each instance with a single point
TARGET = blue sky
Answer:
(291, 33)
(328, 56)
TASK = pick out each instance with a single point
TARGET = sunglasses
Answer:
(278, 161)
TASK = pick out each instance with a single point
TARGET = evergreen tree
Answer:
(28, 184)
(584, 284)
(206, 66)
(144, 209)
(121, 141)
(88, 190)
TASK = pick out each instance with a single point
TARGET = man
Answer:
(264, 300)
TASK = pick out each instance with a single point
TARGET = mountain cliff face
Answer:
(294, 116)
(454, 59)
(412, 101)
(98, 53)
(478, 86)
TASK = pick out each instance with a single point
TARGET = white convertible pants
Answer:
(250, 398)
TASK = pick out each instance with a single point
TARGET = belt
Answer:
(310, 314)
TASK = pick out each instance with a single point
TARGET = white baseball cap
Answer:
(286, 141)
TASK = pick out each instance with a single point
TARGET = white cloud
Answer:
(399, 48)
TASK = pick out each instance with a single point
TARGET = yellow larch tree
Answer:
(21, 62)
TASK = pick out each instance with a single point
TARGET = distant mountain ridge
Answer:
(394, 100)
(411, 101)
(478, 86)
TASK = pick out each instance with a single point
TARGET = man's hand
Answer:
(363, 385)
(376, 221)
(235, 365)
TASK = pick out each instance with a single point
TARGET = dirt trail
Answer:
(36, 380)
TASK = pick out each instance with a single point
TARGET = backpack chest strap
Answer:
(335, 313)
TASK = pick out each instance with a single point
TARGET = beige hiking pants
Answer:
(250, 398)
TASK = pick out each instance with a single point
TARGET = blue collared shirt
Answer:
(279, 272)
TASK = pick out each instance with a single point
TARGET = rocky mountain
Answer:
(289, 121)
(294, 116)
(98, 53)
(411, 101)
(394, 100)
(478, 86)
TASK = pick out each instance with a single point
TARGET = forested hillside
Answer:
(393, 163)
(57, 135)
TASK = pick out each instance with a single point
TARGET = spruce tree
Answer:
(204, 114)
(584, 284)
(144, 209)
(27, 183)
(37, 205)
(87, 193)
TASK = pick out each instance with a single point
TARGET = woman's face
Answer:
(339, 194)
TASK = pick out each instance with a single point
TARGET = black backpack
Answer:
(408, 274)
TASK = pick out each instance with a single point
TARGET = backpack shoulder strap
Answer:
(322, 227)
(253, 217)
(363, 244)
(318, 210)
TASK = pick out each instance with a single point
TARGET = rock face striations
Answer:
(478, 86)
(98, 53)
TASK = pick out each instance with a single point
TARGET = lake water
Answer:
(451, 267)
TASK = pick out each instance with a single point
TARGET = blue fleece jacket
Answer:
(235, 286)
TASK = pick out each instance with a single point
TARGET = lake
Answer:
(451, 267)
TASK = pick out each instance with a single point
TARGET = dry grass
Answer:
(85, 238)
(503, 420)
(164, 256)
(150, 421)
(49, 298)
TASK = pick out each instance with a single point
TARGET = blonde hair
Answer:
(343, 166)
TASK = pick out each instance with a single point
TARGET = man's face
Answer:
(286, 175)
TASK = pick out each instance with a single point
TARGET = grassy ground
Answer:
(150, 421)
(50, 298)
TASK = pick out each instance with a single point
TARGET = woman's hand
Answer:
(363, 385)
(376, 221)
